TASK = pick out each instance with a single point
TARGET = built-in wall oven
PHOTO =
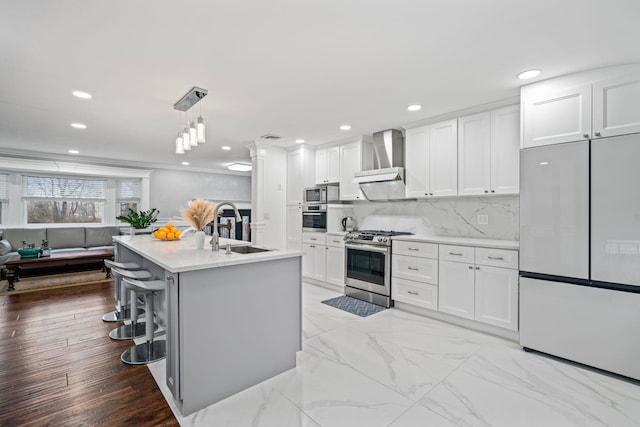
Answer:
(368, 266)
(314, 217)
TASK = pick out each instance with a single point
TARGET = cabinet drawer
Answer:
(497, 257)
(457, 253)
(419, 249)
(315, 238)
(336, 241)
(415, 293)
(414, 268)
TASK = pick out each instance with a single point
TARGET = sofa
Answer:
(59, 238)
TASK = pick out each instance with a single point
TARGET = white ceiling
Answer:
(296, 68)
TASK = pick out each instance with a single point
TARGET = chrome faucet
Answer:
(215, 241)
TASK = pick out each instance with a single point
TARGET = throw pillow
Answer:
(5, 247)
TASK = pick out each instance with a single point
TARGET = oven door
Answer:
(368, 267)
(314, 221)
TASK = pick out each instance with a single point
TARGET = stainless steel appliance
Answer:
(580, 252)
(314, 217)
(321, 194)
(368, 265)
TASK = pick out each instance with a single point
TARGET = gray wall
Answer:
(171, 189)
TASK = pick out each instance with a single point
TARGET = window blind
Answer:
(4, 192)
(127, 189)
(63, 188)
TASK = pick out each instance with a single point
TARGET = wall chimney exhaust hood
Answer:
(387, 181)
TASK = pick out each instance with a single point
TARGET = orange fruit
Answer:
(177, 232)
(171, 236)
(161, 234)
(169, 225)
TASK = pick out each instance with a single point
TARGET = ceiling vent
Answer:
(270, 136)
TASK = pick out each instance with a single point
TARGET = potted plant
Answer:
(44, 246)
(139, 220)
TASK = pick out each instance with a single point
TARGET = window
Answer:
(4, 194)
(61, 200)
(127, 195)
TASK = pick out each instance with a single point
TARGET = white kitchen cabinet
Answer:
(592, 104)
(414, 273)
(328, 165)
(354, 157)
(335, 260)
(488, 152)
(456, 289)
(294, 226)
(300, 173)
(432, 160)
(496, 296)
(314, 258)
(616, 106)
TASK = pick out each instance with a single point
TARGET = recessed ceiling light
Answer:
(78, 126)
(529, 74)
(299, 141)
(241, 167)
(80, 94)
(74, 152)
(345, 127)
(414, 107)
(185, 163)
(226, 148)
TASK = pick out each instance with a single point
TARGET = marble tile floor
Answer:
(398, 369)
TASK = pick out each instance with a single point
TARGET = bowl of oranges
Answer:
(167, 232)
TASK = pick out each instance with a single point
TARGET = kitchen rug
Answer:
(354, 306)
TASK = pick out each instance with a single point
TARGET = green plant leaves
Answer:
(142, 219)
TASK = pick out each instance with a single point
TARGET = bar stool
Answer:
(134, 329)
(151, 350)
(122, 311)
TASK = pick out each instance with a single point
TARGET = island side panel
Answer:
(239, 325)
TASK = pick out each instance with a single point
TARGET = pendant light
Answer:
(186, 143)
(193, 137)
(194, 131)
(179, 145)
(200, 128)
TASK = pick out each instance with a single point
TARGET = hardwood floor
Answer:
(58, 366)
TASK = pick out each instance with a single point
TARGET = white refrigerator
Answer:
(580, 252)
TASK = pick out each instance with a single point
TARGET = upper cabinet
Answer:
(594, 104)
(488, 152)
(354, 157)
(300, 173)
(431, 160)
(328, 165)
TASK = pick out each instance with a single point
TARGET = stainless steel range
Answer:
(368, 265)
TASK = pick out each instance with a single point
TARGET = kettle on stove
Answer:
(348, 223)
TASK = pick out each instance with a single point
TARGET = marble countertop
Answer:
(463, 241)
(180, 255)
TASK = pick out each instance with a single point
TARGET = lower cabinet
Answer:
(335, 260)
(314, 259)
(414, 273)
(457, 289)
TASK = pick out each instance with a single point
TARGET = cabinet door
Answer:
(414, 268)
(443, 158)
(294, 226)
(350, 162)
(319, 262)
(333, 164)
(474, 153)
(308, 259)
(414, 293)
(295, 187)
(616, 106)
(456, 289)
(321, 166)
(417, 162)
(554, 118)
(505, 150)
(335, 265)
(496, 296)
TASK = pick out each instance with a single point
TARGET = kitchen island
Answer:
(232, 320)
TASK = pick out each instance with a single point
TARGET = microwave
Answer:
(321, 194)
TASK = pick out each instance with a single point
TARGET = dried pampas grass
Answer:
(199, 213)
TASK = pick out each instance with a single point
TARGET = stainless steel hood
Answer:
(386, 182)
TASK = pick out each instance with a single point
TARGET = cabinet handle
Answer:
(477, 268)
(496, 257)
(485, 191)
(413, 268)
(470, 267)
(426, 194)
(597, 134)
(413, 293)
(493, 191)
(431, 194)
(413, 249)
(312, 238)
(455, 253)
(586, 135)
(336, 241)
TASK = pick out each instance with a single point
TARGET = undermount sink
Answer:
(247, 249)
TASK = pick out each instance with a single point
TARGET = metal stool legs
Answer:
(135, 329)
(122, 311)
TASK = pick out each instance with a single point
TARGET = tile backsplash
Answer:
(456, 216)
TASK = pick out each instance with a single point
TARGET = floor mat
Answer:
(354, 306)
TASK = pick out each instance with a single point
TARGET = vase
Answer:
(200, 239)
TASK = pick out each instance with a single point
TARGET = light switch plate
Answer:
(483, 219)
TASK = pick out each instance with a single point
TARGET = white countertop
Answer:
(180, 255)
(463, 241)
